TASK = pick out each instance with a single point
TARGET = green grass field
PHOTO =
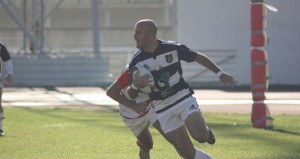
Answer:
(43, 133)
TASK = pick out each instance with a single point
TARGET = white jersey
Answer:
(126, 112)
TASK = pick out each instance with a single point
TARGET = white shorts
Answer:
(137, 125)
(174, 117)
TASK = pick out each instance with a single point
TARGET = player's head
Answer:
(144, 32)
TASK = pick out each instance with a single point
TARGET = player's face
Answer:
(141, 35)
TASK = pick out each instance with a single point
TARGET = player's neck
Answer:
(152, 46)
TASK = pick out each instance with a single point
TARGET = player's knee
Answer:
(149, 145)
(202, 138)
(146, 146)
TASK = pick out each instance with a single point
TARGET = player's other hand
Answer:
(8, 79)
(226, 79)
(142, 81)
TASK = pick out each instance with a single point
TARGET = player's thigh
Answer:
(181, 140)
(157, 126)
(195, 123)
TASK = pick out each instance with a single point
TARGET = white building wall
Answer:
(225, 25)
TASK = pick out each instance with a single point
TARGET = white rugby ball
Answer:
(143, 71)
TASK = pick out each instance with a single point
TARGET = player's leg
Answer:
(145, 142)
(195, 123)
(1, 113)
(175, 132)
(172, 124)
(155, 123)
(157, 126)
(202, 155)
(139, 128)
(182, 142)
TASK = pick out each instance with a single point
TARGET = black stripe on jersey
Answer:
(163, 94)
(184, 53)
(173, 104)
(171, 69)
(165, 47)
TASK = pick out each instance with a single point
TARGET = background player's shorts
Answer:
(137, 125)
(174, 117)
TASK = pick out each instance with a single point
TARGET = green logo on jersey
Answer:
(165, 79)
(163, 82)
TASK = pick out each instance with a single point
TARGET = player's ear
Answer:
(152, 35)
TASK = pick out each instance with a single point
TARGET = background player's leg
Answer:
(145, 142)
(1, 113)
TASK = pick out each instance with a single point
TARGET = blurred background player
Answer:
(6, 59)
(136, 114)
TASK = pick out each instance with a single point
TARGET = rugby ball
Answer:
(143, 71)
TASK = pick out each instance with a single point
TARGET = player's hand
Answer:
(226, 79)
(140, 108)
(8, 79)
(142, 81)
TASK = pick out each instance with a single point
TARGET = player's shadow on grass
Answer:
(93, 122)
(239, 126)
(282, 131)
(87, 103)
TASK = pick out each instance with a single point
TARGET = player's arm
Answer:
(138, 82)
(114, 92)
(7, 62)
(205, 61)
(9, 70)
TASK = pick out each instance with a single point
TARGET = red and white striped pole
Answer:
(260, 115)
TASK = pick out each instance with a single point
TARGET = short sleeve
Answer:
(123, 80)
(186, 54)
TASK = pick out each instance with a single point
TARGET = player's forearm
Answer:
(207, 62)
(121, 99)
(114, 92)
(118, 97)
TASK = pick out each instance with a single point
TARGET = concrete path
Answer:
(280, 102)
